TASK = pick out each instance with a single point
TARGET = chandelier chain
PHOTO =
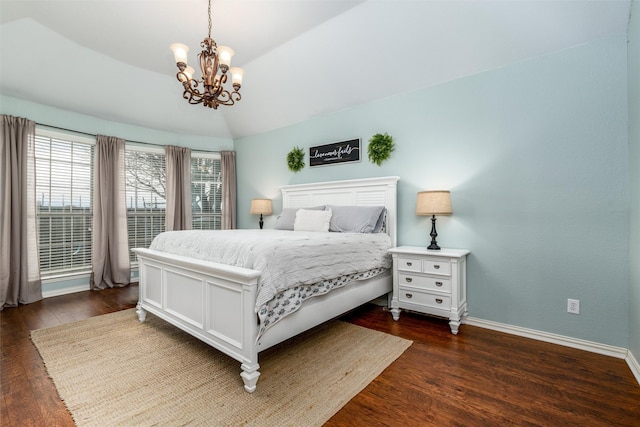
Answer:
(209, 18)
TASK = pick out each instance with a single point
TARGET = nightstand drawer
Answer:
(410, 264)
(425, 282)
(436, 267)
(410, 296)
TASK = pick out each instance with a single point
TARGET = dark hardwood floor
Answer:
(477, 378)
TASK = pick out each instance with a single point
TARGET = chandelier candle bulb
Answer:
(224, 54)
(236, 76)
(180, 52)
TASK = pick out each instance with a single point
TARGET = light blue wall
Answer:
(536, 157)
(93, 125)
(634, 167)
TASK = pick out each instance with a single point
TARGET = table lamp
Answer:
(433, 203)
(262, 207)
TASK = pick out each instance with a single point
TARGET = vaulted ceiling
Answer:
(111, 59)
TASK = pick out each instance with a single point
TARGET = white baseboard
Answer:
(633, 365)
(65, 291)
(594, 347)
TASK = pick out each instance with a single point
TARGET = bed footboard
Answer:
(211, 301)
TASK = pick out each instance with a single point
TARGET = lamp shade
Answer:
(261, 206)
(433, 203)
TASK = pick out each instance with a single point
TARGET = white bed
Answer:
(216, 302)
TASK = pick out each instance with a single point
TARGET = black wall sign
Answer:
(338, 152)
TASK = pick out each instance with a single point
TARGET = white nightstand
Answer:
(430, 282)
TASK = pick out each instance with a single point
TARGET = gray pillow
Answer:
(287, 217)
(356, 219)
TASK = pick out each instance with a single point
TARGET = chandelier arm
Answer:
(191, 92)
(224, 98)
(183, 77)
(191, 86)
(218, 87)
(191, 97)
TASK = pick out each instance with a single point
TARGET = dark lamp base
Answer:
(434, 245)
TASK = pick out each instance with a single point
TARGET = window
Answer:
(206, 191)
(64, 202)
(146, 193)
(145, 176)
(64, 191)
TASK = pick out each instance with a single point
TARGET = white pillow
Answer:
(307, 220)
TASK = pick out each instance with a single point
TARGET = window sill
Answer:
(68, 283)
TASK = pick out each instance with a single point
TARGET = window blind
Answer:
(145, 175)
(206, 191)
(64, 206)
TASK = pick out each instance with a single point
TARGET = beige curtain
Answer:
(19, 258)
(110, 248)
(228, 163)
(178, 213)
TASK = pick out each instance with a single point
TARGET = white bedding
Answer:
(285, 258)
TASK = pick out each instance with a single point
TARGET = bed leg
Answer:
(250, 376)
(141, 312)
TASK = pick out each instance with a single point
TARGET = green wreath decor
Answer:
(295, 159)
(380, 148)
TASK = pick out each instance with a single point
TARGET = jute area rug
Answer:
(112, 370)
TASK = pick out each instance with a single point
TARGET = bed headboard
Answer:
(353, 192)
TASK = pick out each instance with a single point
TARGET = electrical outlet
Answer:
(573, 306)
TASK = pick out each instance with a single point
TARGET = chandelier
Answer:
(214, 68)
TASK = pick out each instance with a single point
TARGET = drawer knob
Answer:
(439, 300)
(436, 266)
(409, 264)
(409, 296)
(438, 284)
(408, 279)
